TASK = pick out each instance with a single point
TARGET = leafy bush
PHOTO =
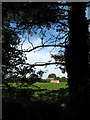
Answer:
(45, 80)
(63, 79)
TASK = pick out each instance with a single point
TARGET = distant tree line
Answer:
(52, 75)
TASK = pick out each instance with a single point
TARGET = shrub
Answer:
(45, 80)
(63, 79)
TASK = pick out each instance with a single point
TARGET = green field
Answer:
(51, 86)
(39, 85)
(35, 100)
(48, 92)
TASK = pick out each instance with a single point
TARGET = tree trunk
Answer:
(77, 62)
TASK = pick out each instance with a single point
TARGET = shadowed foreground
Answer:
(22, 105)
(36, 111)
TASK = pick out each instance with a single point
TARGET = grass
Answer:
(49, 92)
(51, 86)
(37, 100)
(39, 85)
(45, 92)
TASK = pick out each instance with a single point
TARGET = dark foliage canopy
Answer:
(19, 18)
(38, 18)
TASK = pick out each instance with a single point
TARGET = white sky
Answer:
(42, 56)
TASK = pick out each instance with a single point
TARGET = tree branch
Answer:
(63, 24)
(45, 64)
(43, 46)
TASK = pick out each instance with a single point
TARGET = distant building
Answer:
(54, 81)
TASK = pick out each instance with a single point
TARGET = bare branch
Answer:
(22, 44)
(52, 50)
(48, 39)
(63, 24)
(45, 64)
(43, 47)
(30, 43)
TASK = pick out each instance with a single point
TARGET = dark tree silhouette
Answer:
(11, 55)
(32, 17)
(77, 62)
(13, 58)
(17, 20)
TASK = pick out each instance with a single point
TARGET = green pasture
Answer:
(39, 85)
(51, 86)
(35, 99)
(48, 92)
